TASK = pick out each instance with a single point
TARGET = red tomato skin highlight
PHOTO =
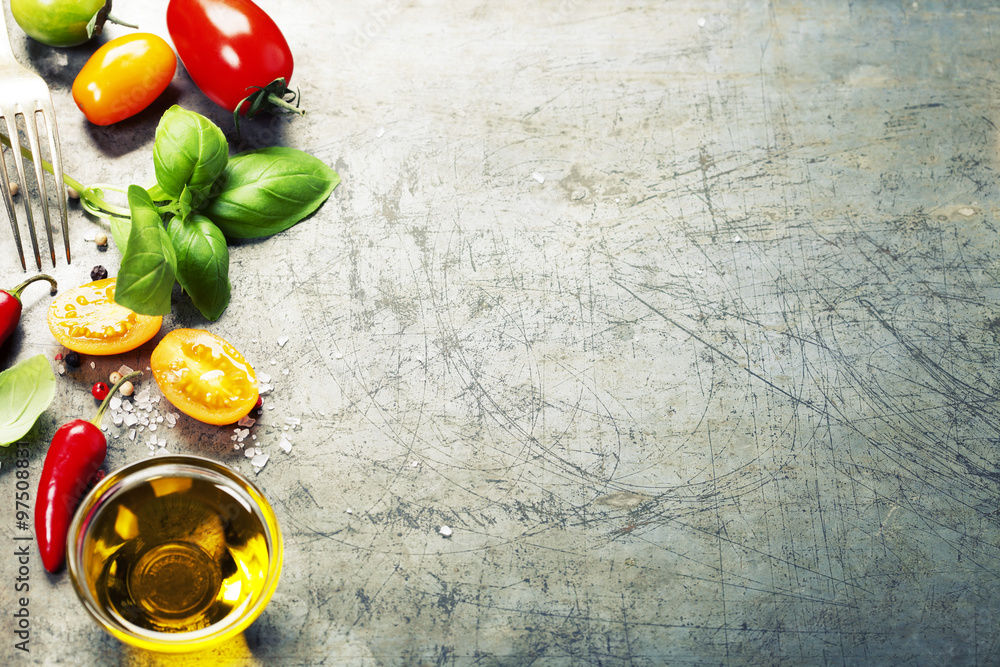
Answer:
(77, 451)
(123, 77)
(228, 47)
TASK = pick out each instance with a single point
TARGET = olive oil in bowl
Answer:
(175, 553)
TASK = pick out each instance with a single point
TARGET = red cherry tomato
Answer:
(231, 49)
(123, 77)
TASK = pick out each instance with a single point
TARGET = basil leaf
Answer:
(265, 191)
(146, 277)
(120, 228)
(189, 151)
(202, 263)
(26, 391)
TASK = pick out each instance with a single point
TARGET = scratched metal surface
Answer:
(682, 316)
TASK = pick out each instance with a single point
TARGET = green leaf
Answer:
(202, 263)
(148, 268)
(26, 391)
(120, 229)
(265, 191)
(189, 151)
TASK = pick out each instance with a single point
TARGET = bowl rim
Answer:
(176, 642)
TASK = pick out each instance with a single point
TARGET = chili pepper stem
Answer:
(96, 421)
(16, 292)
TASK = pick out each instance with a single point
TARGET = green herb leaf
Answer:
(148, 268)
(26, 391)
(265, 191)
(189, 151)
(120, 229)
(202, 263)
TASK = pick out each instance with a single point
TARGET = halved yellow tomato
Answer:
(204, 376)
(87, 320)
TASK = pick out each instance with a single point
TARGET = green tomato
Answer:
(61, 22)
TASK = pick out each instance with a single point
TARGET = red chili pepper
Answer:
(10, 305)
(74, 457)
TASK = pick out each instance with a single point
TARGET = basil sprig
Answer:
(177, 228)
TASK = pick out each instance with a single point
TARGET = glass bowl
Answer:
(174, 553)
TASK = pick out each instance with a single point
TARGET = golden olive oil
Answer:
(177, 554)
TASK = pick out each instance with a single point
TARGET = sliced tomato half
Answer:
(86, 319)
(204, 376)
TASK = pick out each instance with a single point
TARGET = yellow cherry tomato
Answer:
(87, 320)
(123, 77)
(204, 376)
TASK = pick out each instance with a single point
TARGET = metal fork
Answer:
(25, 95)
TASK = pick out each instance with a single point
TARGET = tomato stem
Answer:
(16, 292)
(267, 98)
(117, 21)
(96, 421)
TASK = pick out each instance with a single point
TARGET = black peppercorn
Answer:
(72, 359)
(98, 273)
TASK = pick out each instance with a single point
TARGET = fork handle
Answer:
(6, 51)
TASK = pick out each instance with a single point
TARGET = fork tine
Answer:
(5, 185)
(25, 199)
(49, 115)
(31, 129)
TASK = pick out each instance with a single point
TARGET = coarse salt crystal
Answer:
(538, 177)
(282, 341)
(263, 377)
(249, 452)
(259, 461)
(379, 132)
(264, 389)
(445, 531)
(285, 444)
(247, 421)
(115, 403)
